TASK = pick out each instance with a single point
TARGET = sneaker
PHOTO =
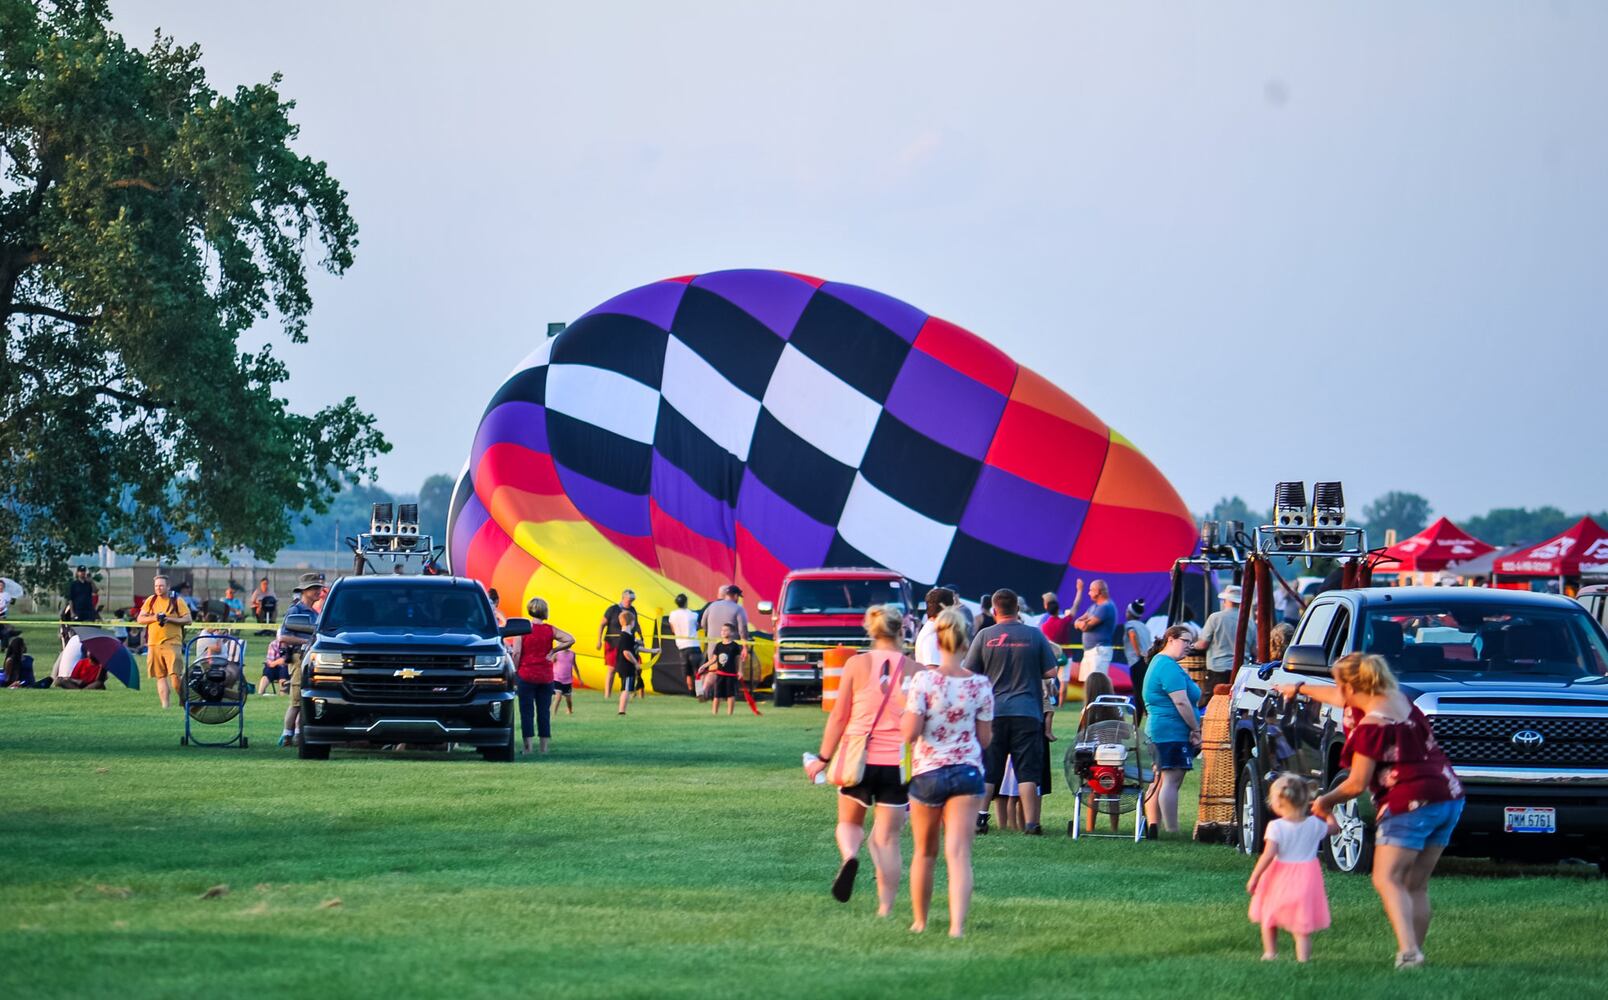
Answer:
(1409, 960)
(982, 824)
(284, 740)
(1032, 830)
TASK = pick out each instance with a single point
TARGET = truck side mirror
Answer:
(1312, 661)
(766, 608)
(515, 626)
(298, 624)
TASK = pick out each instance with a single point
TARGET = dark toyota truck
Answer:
(1515, 686)
(407, 659)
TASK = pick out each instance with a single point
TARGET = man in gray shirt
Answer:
(1217, 640)
(1016, 658)
(725, 611)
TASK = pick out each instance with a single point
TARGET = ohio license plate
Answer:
(1529, 819)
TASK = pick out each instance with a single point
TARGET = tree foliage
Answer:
(146, 222)
(1408, 513)
(1235, 508)
(435, 501)
(348, 514)
(1518, 525)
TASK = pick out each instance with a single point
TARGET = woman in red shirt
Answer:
(535, 667)
(1391, 752)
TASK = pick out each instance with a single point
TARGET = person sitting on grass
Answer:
(725, 659)
(627, 663)
(87, 675)
(18, 664)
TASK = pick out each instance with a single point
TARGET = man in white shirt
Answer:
(684, 624)
(938, 598)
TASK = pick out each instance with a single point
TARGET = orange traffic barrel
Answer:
(832, 674)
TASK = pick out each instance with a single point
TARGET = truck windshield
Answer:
(839, 597)
(406, 607)
(1486, 638)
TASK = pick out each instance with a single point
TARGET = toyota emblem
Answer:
(1528, 738)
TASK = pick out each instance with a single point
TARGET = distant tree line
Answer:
(1410, 513)
(349, 513)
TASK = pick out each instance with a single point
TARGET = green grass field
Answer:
(662, 854)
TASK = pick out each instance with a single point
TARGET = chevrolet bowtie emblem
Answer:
(406, 673)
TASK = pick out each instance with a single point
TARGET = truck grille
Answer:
(393, 690)
(1485, 740)
(399, 661)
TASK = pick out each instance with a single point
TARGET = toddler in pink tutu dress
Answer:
(1286, 886)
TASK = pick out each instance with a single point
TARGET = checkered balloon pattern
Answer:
(732, 426)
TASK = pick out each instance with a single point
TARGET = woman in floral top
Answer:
(948, 720)
(1390, 750)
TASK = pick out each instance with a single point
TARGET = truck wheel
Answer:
(500, 755)
(1250, 808)
(311, 751)
(782, 695)
(1350, 850)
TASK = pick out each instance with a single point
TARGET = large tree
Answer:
(1408, 513)
(146, 222)
(435, 502)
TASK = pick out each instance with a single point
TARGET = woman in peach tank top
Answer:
(872, 691)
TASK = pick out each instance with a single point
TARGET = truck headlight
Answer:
(326, 662)
(489, 661)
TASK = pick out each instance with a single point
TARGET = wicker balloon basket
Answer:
(1214, 821)
(1195, 666)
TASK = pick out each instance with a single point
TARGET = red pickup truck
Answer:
(820, 608)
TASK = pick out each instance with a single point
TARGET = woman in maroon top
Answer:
(1391, 751)
(535, 666)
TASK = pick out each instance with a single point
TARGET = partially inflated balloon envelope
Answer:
(733, 426)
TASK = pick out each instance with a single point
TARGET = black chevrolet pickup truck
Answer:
(407, 659)
(1515, 686)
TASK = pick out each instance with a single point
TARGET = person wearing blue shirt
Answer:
(308, 594)
(1099, 628)
(1170, 721)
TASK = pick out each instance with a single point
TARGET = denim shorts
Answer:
(1174, 757)
(1427, 826)
(934, 788)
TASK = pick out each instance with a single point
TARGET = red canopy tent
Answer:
(1433, 549)
(1580, 550)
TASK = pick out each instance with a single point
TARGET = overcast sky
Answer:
(1399, 210)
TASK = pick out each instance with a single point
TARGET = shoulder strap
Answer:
(886, 697)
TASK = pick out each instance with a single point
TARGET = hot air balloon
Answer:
(735, 425)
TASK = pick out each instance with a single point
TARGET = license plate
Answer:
(1529, 819)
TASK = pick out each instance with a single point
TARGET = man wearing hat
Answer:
(725, 611)
(308, 600)
(309, 590)
(1217, 640)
